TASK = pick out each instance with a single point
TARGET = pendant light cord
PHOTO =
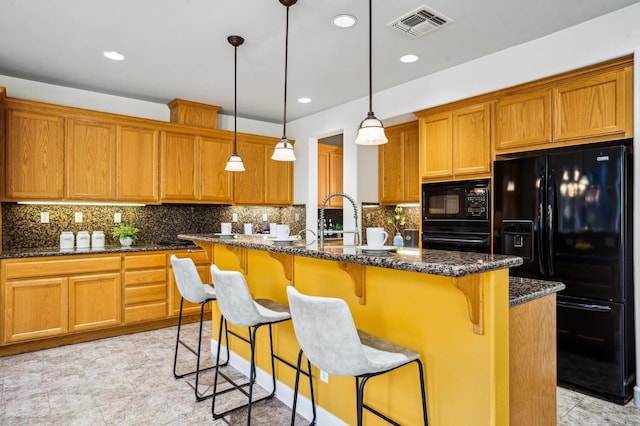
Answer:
(235, 97)
(286, 57)
(370, 66)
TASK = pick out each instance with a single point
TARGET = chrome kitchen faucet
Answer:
(356, 239)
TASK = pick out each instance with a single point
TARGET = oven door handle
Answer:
(585, 306)
(456, 240)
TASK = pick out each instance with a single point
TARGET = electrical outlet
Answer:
(44, 217)
(297, 216)
(117, 217)
(324, 376)
(78, 217)
(265, 217)
(234, 217)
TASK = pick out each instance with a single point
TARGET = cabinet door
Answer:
(436, 146)
(410, 150)
(472, 140)
(179, 166)
(95, 301)
(91, 160)
(279, 182)
(138, 158)
(323, 175)
(592, 106)
(523, 119)
(249, 186)
(215, 182)
(335, 176)
(35, 308)
(34, 151)
(390, 168)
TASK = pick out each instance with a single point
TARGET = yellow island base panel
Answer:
(467, 372)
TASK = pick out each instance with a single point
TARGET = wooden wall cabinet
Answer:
(138, 160)
(193, 169)
(398, 180)
(203, 266)
(589, 105)
(593, 106)
(330, 174)
(34, 155)
(90, 160)
(264, 181)
(50, 297)
(523, 119)
(456, 144)
(145, 287)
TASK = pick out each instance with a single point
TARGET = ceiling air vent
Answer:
(420, 22)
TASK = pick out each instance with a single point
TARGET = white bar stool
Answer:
(191, 288)
(238, 307)
(328, 336)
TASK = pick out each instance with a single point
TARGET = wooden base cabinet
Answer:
(145, 287)
(47, 297)
(34, 308)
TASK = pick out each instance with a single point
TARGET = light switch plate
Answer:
(265, 217)
(78, 217)
(234, 217)
(297, 216)
(117, 217)
(44, 217)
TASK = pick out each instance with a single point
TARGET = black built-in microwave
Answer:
(455, 215)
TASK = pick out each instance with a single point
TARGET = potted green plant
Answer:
(398, 220)
(127, 234)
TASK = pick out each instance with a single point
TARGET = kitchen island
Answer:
(451, 307)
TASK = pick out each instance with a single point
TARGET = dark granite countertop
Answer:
(523, 290)
(435, 262)
(56, 251)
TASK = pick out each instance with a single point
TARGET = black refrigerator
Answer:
(569, 215)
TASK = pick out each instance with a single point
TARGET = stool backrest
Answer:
(327, 334)
(188, 281)
(234, 299)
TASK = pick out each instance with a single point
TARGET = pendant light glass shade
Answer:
(284, 149)
(371, 130)
(234, 164)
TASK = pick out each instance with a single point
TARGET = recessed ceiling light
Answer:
(407, 59)
(113, 55)
(344, 21)
(304, 100)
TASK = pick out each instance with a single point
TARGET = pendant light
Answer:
(371, 131)
(234, 164)
(284, 148)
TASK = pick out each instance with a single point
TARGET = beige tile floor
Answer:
(127, 380)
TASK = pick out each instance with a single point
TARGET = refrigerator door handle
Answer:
(551, 195)
(584, 306)
(540, 222)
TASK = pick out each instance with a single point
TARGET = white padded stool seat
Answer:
(329, 339)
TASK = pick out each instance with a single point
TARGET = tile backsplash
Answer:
(376, 216)
(21, 227)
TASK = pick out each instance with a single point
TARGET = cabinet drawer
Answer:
(145, 277)
(147, 293)
(199, 256)
(39, 268)
(145, 312)
(145, 261)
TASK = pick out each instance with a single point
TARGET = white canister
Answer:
(83, 241)
(66, 240)
(97, 240)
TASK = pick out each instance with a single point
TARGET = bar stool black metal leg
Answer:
(295, 391)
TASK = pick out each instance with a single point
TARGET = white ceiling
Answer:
(179, 48)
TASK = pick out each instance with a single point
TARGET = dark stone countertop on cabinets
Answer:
(523, 290)
(56, 251)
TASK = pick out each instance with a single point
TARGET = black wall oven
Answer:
(455, 215)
